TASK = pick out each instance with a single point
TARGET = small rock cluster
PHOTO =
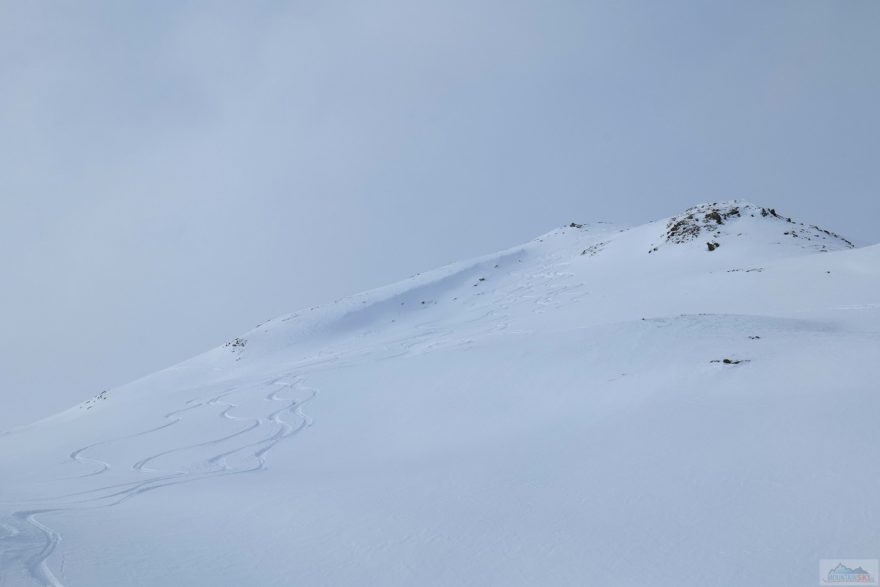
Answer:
(236, 343)
(730, 361)
(595, 249)
(706, 217)
(89, 404)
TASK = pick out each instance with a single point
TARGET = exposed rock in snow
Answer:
(720, 222)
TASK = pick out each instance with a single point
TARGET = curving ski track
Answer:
(26, 543)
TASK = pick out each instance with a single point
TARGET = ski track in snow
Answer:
(27, 542)
(40, 541)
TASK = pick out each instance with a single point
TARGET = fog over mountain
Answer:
(173, 173)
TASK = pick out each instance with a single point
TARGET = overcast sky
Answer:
(172, 173)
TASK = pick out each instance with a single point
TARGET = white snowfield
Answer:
(601, 406)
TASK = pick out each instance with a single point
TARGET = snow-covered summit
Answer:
(721, 222)
(600, 405)
(712, 237)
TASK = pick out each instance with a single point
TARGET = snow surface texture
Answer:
(601, 406)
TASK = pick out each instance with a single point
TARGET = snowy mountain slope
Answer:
(560, 413)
